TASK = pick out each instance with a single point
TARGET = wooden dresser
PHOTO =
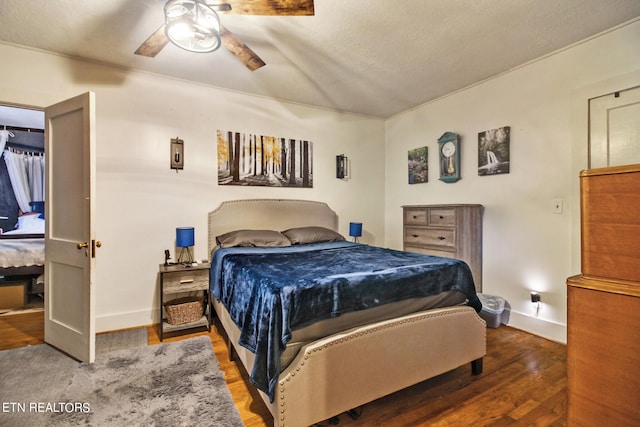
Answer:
(603, 303)
(452, 231)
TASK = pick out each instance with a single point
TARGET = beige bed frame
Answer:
(354, 367)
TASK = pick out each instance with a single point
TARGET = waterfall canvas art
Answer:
(260, 160)
(493, 151)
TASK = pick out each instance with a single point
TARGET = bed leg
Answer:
(476, 366)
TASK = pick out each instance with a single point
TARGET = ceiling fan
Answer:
(194, 25)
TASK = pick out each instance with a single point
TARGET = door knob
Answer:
(82, 245)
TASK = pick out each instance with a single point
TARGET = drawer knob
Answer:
(441, 217)
(415, 236)
(441, 237)
(186, 281)
(415, 217)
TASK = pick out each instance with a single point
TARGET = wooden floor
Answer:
(524, 383)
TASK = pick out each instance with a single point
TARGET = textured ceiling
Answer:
(371, 57)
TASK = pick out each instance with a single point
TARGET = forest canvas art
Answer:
(418, 161)
(260, 160)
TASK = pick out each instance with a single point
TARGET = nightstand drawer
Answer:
(415, 216)
(430, 236)
(442, 217)
(185, 280)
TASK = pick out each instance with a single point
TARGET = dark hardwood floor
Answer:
(524, 383)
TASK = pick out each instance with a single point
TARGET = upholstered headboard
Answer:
(268, 214)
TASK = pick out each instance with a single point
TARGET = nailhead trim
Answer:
(355, 335)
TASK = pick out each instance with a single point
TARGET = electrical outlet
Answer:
(557, 207)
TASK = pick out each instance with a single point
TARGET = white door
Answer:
(70, 238)
(614, 129)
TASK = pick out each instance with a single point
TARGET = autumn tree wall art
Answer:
(259, 160)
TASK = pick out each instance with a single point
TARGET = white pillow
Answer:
(31, 224)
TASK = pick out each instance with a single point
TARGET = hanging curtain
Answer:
(26, 172)
(19, 180)
(4, 135)
(35, 174)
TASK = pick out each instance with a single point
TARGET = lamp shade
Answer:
(355, 229)
(185, 237)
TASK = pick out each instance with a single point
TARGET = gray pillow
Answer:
(302, 235)
(249, 238)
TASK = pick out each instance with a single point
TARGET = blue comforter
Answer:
(270, 292)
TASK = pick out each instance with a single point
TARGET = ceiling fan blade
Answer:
(221, 7)
(154, 44)
(269, 7)
(240, 50)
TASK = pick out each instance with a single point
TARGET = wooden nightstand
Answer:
(176, 278)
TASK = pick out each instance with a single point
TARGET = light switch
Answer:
(557, 207)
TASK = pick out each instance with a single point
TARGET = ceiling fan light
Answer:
(192, 25)
(179, 30)
(209, 22)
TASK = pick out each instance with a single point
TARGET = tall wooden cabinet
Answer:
(452, 231)
(603, 311)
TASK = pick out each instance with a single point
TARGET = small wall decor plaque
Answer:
(342, 166)
(177, 154)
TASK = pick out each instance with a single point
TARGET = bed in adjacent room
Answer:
(22, 255)
(323, 325)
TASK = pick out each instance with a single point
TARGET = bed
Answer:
(350, 346)
(22, 255)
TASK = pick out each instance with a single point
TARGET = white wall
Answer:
(526, 246)
(140, 200)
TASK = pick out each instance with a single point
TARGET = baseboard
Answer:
(132, 319)
(542, 327)
(537, 326)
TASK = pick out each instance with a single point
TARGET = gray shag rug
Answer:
(119, 340)
(171, 384)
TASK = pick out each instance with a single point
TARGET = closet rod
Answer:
(22, 129)
(24, 147)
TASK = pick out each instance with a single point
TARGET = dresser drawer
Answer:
(442, 217)
(415, 216)
(611, 224)
(431, 251)
(181, 281)
(430, 236)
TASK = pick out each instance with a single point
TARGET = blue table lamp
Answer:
(355, 230)
(185, 239)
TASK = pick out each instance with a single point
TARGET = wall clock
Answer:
(449, 157)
